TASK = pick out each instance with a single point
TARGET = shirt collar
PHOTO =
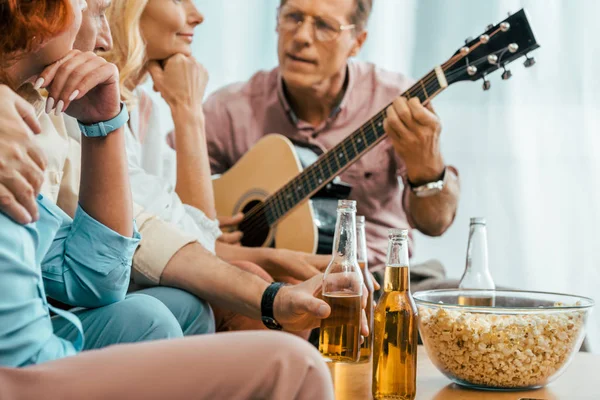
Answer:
(334, 113)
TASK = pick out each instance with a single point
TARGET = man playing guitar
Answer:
(317, 96)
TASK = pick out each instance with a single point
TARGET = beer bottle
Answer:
(395, 339)
(342, 289)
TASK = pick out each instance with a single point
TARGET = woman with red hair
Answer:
(59, 250)
(84, 262)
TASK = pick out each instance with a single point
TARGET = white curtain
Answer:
(527, 150)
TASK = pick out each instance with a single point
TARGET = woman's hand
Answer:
(181, 81)
(85, 86)
(22, 162)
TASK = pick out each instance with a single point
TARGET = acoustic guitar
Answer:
(269, 185)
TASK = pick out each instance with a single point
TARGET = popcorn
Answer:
(501, 351)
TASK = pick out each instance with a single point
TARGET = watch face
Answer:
(271, 323)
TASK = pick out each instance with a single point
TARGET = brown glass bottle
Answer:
(395, 327)
(339, 339)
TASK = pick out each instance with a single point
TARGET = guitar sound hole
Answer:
(254, 226)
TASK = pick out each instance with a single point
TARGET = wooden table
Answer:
(580, 381)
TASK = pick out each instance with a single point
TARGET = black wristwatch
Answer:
(266, 306)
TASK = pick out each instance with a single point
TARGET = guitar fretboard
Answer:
(340, 157)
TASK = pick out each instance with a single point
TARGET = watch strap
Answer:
(430, 188)
(102, 129)
(266, 306)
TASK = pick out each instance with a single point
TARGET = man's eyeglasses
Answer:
(325, 29)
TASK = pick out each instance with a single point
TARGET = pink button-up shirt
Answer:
(239, 115)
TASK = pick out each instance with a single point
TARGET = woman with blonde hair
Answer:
(153, 38)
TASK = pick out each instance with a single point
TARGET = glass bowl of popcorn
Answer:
(501, 339)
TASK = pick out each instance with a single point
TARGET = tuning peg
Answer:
(492, 59)
(507, 74)
(469, 39)
(505, 26)
(490, 26)
(484, 39)
(486, 84)
(513, 47)
(529, 62)
(471, 70)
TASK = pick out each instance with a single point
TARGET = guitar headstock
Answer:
(494, 49)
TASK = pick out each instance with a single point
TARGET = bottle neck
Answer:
(361, 243)
(396, 279)
(396, 271)
(398, 251)
(344, 242)
(477, 251)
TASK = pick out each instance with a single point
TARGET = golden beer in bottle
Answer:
(339, 338)
(361, 249)
(395, 327)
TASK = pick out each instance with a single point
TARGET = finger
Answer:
(47, 75)
(365, 296)
(344, 280)
(37, 156)
(232, 237)
(27, 112)
(316, 307)
(225, 222)
(73, 88)
(156, 72)
(96, 76)
(10, 207)
(364, 324)
(32, 173)
(72, 71)
(394, 126)
(404, 111)
(316, 283)
(421, 114)
(376, 284)
(23, 193)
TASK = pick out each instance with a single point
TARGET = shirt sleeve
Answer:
(160, 242)
(26, 334)
(87, 264)
(219, 134)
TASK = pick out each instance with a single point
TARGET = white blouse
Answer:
(152, 173)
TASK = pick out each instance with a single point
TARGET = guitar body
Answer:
(270, 164)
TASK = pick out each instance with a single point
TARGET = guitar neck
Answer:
(343, 155)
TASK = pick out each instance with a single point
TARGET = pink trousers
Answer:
(240, 365)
